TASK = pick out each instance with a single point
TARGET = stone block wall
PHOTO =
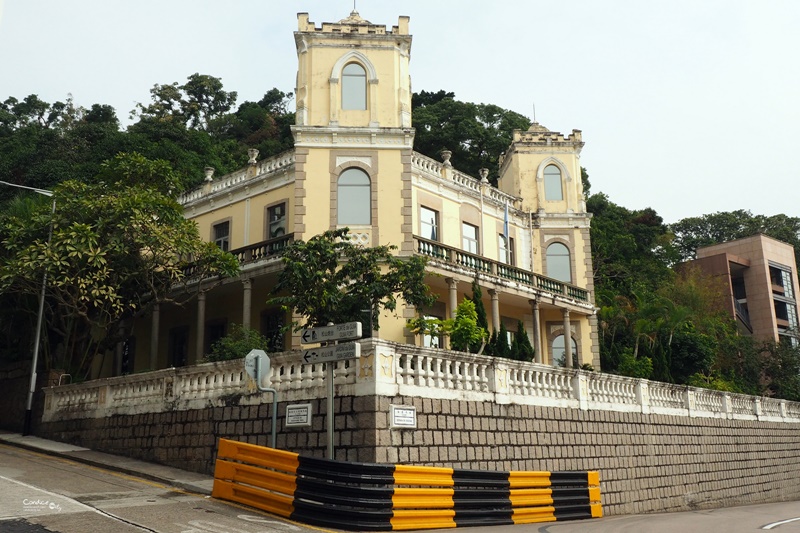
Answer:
(647, 463)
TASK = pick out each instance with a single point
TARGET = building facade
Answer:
(526, 242)
(759, 275)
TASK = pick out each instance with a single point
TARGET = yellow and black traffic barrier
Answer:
(381, 497)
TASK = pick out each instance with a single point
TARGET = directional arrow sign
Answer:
(337, 332)
(339, 352)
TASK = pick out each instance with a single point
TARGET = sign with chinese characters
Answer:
(403, 416)
(336, 332)
(337, 352)
(298, 415)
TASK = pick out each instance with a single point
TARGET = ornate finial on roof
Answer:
(538, 128)
(354, 18)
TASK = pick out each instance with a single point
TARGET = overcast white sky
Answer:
(686, 106)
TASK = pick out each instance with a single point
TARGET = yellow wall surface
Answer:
(247, 216)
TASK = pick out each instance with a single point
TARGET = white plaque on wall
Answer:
(298, 415)
(403, 416)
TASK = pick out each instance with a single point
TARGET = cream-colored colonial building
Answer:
(353, 164)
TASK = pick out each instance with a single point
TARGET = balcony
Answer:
(454, 256)
(251, 253)
(262, 250)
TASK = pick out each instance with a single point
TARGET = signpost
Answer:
(330, 354)
(336, 332)
(257, 365)
(337, 352)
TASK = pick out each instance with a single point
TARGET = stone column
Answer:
(567, 340)
(495, 309)
(537, 332)
(452, 283)
(154, 338)
(201, 327)
(247, 301)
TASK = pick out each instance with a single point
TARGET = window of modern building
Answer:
(469, 238)
(782, 279)
(787, 313)
(559, 352)
(276, 217)
(222, 235)
(552, 183)
(428, 223)
(354, 198)
(506, 249)
(354, 87)
(558, 263)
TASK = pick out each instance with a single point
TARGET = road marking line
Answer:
(776, 524)
(49, 493)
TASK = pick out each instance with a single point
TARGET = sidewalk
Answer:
(188, 481)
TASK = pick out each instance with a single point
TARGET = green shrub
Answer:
(236, 344)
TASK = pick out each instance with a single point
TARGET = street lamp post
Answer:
(26, 427)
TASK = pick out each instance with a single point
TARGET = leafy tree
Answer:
(631, 250)
(695, 232)
(42, 144)
(264, 125)
(329, 279)
(491, 346)
(501, 347)
(781, 367)
(480, 316)
(521, 348)
(464, 331)
(585, 182)
(195, 104)
(117, 247)
(635, 367)
(476, 134)
(237, 344)
(192, 127)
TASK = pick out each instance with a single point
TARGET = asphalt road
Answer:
(43, 493)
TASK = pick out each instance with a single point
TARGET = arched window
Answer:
(353, 198)
(354, 87)
(559, 353)
(558, 264)
(552, 183)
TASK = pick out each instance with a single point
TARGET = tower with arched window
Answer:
(353, 132)
(542, 168)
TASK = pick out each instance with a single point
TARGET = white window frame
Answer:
(354, 87)
(354, 200)
(555, 262)
(506, 249)
(553, 184)
(429, 230)
(470, 243)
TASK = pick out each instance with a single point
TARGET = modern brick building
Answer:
(760, 276)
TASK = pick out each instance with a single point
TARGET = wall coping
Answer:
(391, 369)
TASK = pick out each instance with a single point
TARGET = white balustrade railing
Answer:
(391, 369)
(430, 168)
(264, 168)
